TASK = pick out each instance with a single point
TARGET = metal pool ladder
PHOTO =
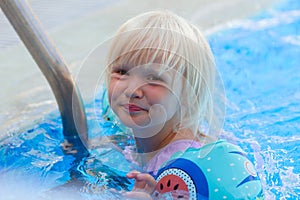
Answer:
(56, 71)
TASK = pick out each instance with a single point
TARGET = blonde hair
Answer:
(164, 37)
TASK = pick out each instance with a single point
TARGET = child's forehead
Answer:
(149, 67)
(149, 57)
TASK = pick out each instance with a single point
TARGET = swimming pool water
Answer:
(260, 66)
(259, 62)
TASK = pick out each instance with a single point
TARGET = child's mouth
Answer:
(133, 108)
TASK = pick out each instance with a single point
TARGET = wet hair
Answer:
(166, 38)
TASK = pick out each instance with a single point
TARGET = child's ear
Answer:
(182, 110)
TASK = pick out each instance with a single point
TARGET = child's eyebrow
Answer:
(155, 71)
(119, 66)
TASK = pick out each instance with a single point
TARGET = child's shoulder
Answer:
(215, 171)
(209, 149)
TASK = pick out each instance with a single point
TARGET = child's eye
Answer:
(119, 71)
(154, 78)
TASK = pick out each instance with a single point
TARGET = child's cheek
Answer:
(111, 91)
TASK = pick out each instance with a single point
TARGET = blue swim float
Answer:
(218, 170)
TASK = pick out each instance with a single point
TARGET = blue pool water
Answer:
(259, 62)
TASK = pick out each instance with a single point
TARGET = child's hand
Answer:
(144, 186)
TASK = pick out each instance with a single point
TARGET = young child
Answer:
(161, 84)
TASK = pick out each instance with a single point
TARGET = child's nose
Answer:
(137, 93)
(134, 89)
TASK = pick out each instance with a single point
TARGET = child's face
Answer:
(143, 96)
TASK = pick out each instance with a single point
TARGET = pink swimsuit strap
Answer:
(165, 154)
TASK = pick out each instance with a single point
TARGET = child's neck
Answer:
(152, 145)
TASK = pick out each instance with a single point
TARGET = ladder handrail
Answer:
(56, 71)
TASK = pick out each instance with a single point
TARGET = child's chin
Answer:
(136, 123)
